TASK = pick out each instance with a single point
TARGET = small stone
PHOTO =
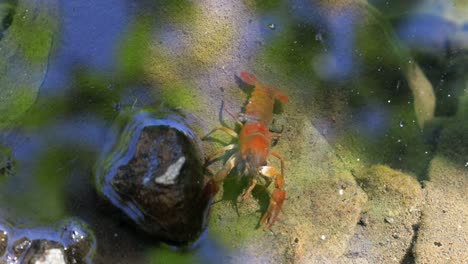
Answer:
(20, 245)
(389, 220)
(322, 237)
(154, 174)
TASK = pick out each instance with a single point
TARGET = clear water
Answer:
(350, 75)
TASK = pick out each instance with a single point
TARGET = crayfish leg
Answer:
(275, 154)
(226, 130)
(253, 182)
(277, 197)
(230, 164)
(218, 152)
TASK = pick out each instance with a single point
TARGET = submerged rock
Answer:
(69, 241)
(153, 172)
(443, 230)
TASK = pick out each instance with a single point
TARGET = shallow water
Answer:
(352, 72)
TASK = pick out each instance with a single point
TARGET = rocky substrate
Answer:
(69, 241)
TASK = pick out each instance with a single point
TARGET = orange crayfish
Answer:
(253, 147)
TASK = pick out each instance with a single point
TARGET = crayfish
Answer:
(253, 147)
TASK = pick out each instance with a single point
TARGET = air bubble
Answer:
(402, 123)
(318, 37)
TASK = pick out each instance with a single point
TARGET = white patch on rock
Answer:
(52, 256)
(171, 173)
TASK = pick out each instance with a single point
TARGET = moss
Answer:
(33, 33)
(179, 95)
(22, 100)
(382, 180)
(166, 255)
(294, 51)
(374, 37)
(24, 49)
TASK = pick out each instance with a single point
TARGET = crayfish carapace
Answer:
(253, 147)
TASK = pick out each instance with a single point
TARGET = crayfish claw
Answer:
(276, 201)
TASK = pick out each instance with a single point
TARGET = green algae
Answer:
(262, 5)
(32, 33)
(7, 164)
(371, 39)
(453, 141)
(293, 51)
(382, 180)
(43, 190)
(179, 96)
(166, 255)
(402, 144)
(24, 50)
(179, 11)
(133, 48)
(140, 55)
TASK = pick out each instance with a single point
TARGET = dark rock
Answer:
(153, 172)
(20, 246)
(66, 242)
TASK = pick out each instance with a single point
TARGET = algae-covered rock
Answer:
(388, 223)
(153, 172)
(381, 180)
(24, 49)
(443, 232)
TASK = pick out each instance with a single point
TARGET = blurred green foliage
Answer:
(133, 48)
(453, 142)
(262, 5)
(32, 33)
(294, 50)
(24, 51)
(175, 10)
(40, 198)
(166, 255)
